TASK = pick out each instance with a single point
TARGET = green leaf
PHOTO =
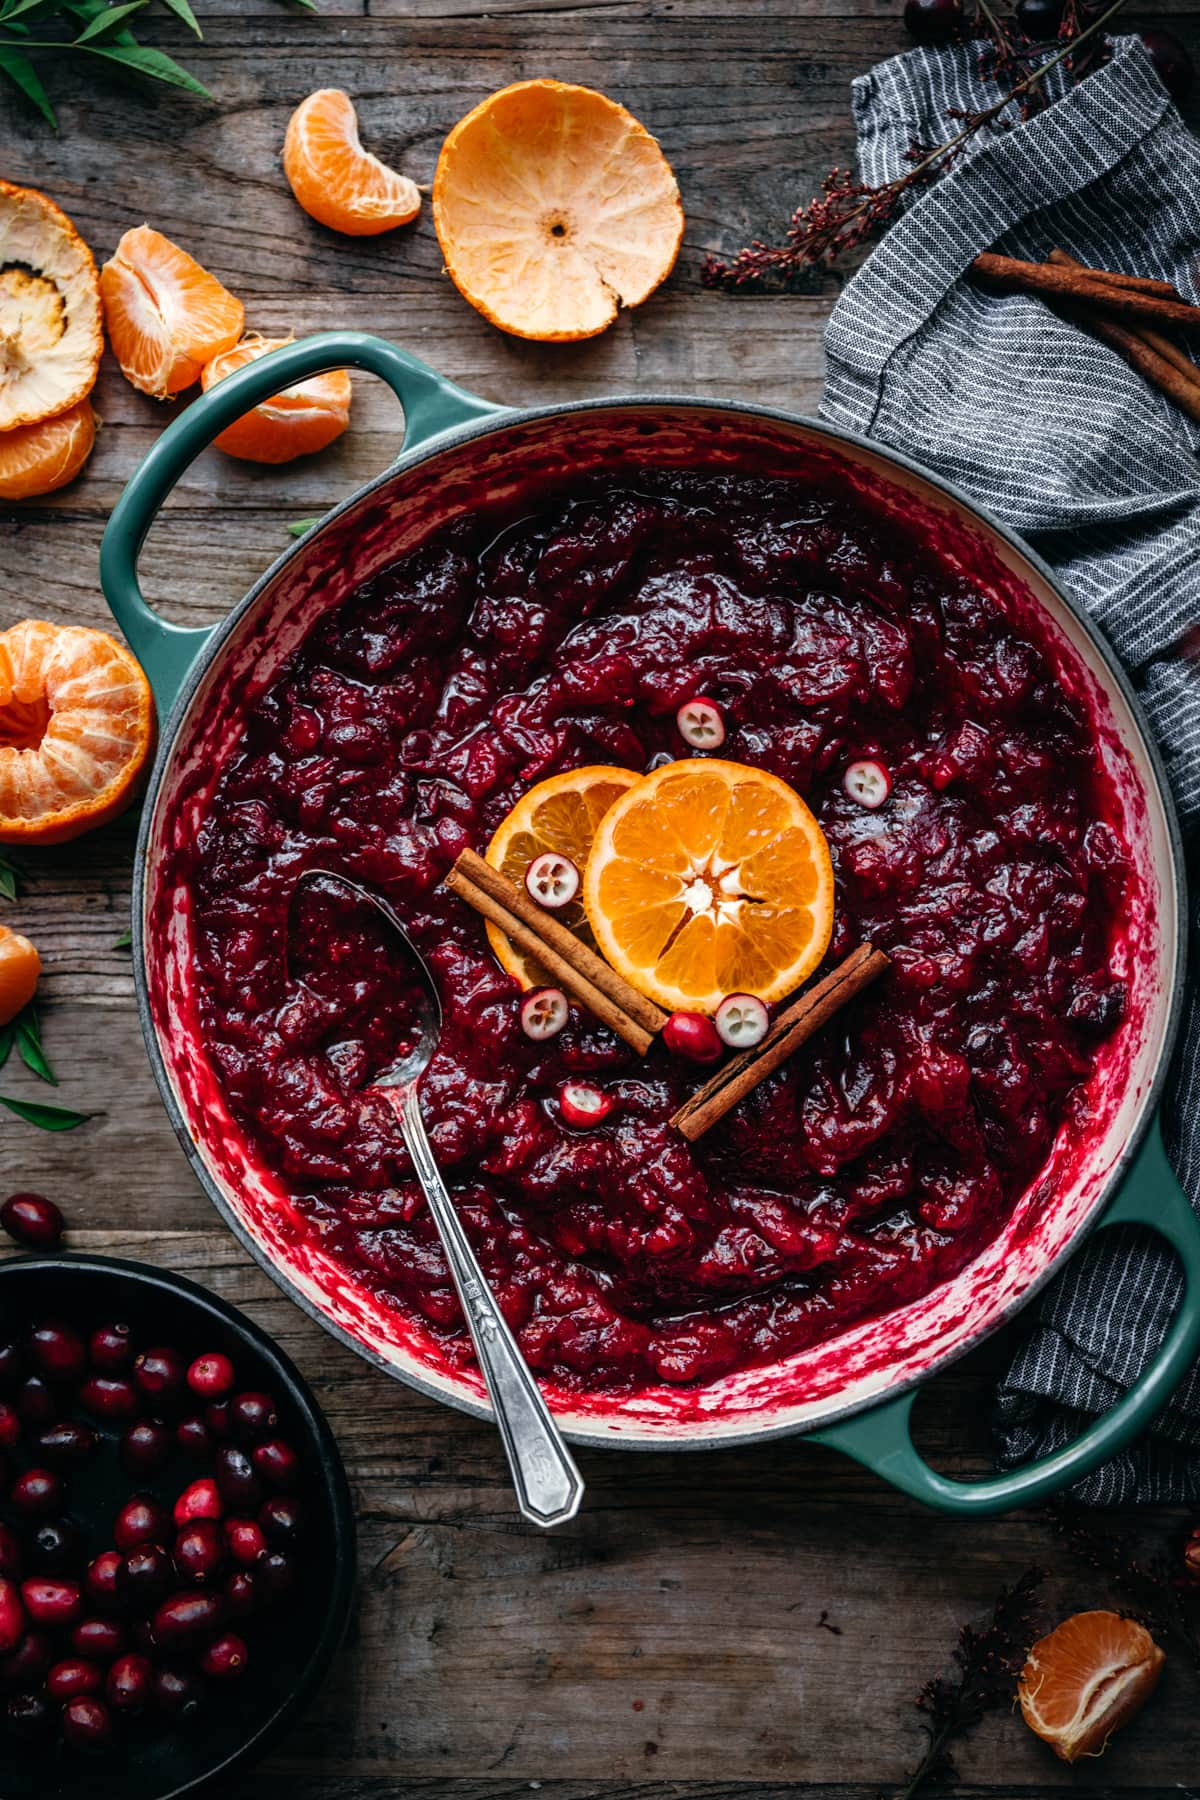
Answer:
(124, 941)
(108, 20)
(46, 1118)
(17, 9)
(8, 871)
(29, 1043)
(183, 11)
(298, 527)
(6, 1044)
(154, 63)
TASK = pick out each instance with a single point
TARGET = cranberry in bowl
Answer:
(474, 623)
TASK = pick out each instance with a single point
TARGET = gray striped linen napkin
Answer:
(1057, 436)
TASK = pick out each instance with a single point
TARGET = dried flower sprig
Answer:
(1157, 1586)
(847, 212)
(987, 1662)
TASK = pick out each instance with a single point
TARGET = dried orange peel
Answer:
(561, 813)
(51, 337)
(710, 878)
(76, 728)
(20, 966)
(296, 422)
(37, 459)
(1087, 1679)
(336, 181)
(166, 315)
(554, 207)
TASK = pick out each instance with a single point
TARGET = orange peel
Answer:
(51, 336)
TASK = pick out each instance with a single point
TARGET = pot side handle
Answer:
(881, 1439)
(431, 404)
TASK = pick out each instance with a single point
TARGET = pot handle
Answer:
(881, 1439)
(431, 404)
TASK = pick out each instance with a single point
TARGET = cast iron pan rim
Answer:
(503, 420)
(331, 1472)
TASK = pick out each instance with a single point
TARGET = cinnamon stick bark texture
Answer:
(1155, 357)
(1083, 285)
(791, 1029)
(574, 966)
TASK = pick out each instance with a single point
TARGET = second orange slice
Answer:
(709, 878)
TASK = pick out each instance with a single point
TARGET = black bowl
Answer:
(289, 1652)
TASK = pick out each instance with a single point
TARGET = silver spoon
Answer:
(548, 1484)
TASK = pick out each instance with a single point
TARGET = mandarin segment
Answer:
(38, 459)
(336, 181)
(708, 878)
(554, 207)
(76, 728)
(20, 966)
(166, 315)
(1087, 1679)
(51, 338)
(297, 422)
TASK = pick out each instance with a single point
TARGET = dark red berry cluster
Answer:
(93, 1637)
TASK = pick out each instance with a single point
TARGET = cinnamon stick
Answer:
(792, 1028)
(1154, 357)
(1083, 285)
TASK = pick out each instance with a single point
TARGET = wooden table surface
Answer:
(670, 1642)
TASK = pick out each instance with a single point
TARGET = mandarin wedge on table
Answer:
(20, 966)
(76, 728)
(296, 422)
(51, 338)
(336, 181)
(36, 459)
(709, 878)
(1087, 1679)
(553, 207)
(561, 814)
(166, 315)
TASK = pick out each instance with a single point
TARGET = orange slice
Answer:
(561, 813)
(76, 727)
(51, 338)
(20, 966)
(36, 459)
(1086, 1680)
(336, 181)
(710, 878)
(554, 207)
(166, 315)
(296, 422)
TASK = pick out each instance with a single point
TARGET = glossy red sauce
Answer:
(886, 1153)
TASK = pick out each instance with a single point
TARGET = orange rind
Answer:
(51, 336)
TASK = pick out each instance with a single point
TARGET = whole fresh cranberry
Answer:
(252, 1416)
(160, 1373)
(276, 1577)
(143, 1577)
(246, 1541)
(66, 1443)
(51, 1600)
(1172, 63)
(277, 1463)
(184, 1619)
(211, 1376)
(142, 1520)
(101, 1579)
(216, 1417)
(202, 1500)
(12, 1364)
(98, 1639)
(226, 1658)
(36, 1493)
(32, 1220)
(145, 1446)
(58, 1351)
(110, 1397)
(73, 1675)
(25, 1666)
(10, 1426)
(239, 1486)
(87, 1724)
(241, 1594)
(35, 1401)
(12, 1615)
(177, 1693)
(56, 1547)
(30, 1717)
(130, 1683)
(694, 1036)
(12, 1557)
(193, 1436)
(200, 1553)
(933, 21)
(110, 1348)
(282, 1519)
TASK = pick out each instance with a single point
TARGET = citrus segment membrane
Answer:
(300, 420)
(51, 338)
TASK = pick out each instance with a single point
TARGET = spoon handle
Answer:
(549, 1486)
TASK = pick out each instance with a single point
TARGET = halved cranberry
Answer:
(144, 1575)
(12, 1615)
(701, 724)
(56, 1548)
(741, 1021)
(241, 1594)
(66, 1443)
(101, 1578)
(12, 1557)
(582, 1104)
(36, 1402)
(145, 1446)
(185, 1618)
(226, 1657)
(177, 1693)
(282, 1519)
(51, 1600)
(200, 1552)
(10, 1426)
(130, 1683)
(868, 782)
(193, 1436)
(110, 1397)
(98, 1639)
(277, 1463)
(58, 1351)
(552, 880)
(160, 1373)
(142, 1520)
(30, 1717)
(36, 1493)
(543, 1013)
(694, 1036)
(87, 1724)
(25, 1666)
(252, 1416)
(32, 1220)
(110, 1348)
(73, 1675)
(211, 1376)
(202, 1500)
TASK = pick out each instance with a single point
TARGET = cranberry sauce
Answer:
(891, 1148)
